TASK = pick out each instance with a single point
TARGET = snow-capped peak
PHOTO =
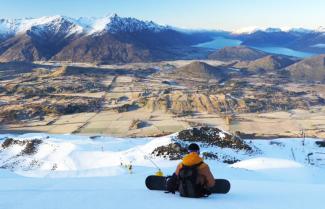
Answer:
(111, 23)
(299, 30)
(246, 30)
(253, 29)
(100, 24)
(54, 23)
(8, 26)
(273, 30)
(115, 23)
(320, 29)
(93, 24)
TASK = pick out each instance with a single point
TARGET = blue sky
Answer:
(210, 14)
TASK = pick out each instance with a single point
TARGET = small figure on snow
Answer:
(192, 177)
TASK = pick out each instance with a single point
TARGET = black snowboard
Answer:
(222, 186)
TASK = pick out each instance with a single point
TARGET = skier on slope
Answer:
(192, 177)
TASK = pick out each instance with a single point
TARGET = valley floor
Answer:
(263, 125)
(155, 99)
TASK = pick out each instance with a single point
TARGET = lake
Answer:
(285, 51)
(221, 42)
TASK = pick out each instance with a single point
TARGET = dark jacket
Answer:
(205, 176)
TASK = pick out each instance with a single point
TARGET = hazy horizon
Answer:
(211, 14)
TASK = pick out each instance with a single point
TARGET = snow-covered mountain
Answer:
(254, 29)
(112, 23)
(51, 23)
(36, 39)
(115, 39)
(115, 24)
(110, 39)
(302, 39)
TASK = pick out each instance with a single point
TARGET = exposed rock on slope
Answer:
(30, 146)
(173, 151)
(137, 124)
(206, 137)
(213, 136)
(241, 53)
(23, 152)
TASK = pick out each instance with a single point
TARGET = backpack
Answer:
(187, 182)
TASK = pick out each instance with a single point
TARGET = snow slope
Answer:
(266, 163)
(89, 175)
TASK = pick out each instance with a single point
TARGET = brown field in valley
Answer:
(153, 99)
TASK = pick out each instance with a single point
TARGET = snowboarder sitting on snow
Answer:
(192, 177)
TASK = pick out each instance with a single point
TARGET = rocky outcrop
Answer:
(214, 137)
(173, 151)
(126, 107)
(22, 153)
(30, 146)
(320, 143)
(137, 124)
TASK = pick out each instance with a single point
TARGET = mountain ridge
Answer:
(112, 23)
(62, 38)
(111, 39)
(95, 24)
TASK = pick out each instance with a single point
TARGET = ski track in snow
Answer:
(89, 175)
